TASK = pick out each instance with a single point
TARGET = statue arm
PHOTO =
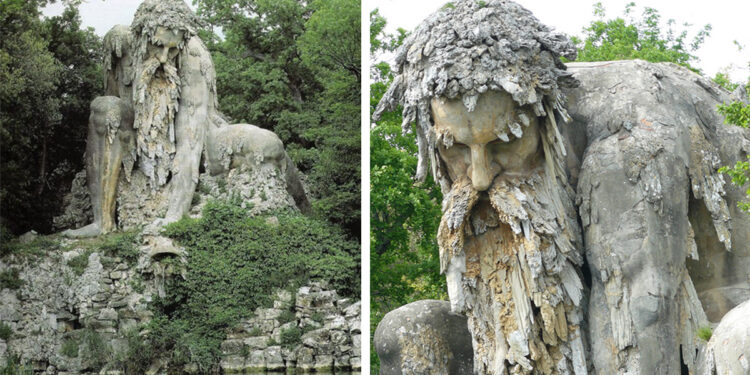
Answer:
(190, 128)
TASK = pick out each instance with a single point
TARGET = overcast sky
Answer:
(728, 18)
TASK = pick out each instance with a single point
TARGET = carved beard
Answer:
(157, 95)
(510, 260)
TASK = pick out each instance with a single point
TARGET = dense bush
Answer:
(234, 264)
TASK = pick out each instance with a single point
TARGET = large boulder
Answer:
(424, 337)
(728, 351)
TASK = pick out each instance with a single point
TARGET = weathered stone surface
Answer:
(728, 351)
(158, 120)
(662, 235)
(424, 337)
(649, 141)
(329, 340)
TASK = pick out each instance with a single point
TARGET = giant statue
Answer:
(159, 118)
(581, 203)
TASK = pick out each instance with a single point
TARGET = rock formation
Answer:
(71, 298)
(728, 351)
(323, 335)
(662, 238)
(424, 337)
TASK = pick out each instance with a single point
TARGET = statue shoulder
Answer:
(198, 56)
(118, 40)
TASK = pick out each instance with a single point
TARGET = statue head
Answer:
(161, 32)
(482, 81)
(474, 53)
(163, 25)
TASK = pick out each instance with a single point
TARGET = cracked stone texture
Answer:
(424, 337)
(667, 248)
(661, 225)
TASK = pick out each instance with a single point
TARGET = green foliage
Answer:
(122, 245)
(79, 262)
(138, 356)
(448, 5)
(404, 214)
(50, 73)
(286, 317)
(95, 352)
(13, 366)
(723, 80)
(293, 67)
(9, 279)
(627, 39)
(234, 264)
(69, 347)
(704, 333)
(740, 174)
(317, 317)
(738, 114)
(5, 331)
(291, 337)
(36, 248)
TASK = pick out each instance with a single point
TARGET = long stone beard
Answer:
(157, 98)
(510, 261)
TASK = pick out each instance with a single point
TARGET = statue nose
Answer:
(481, 175)
(163, 54)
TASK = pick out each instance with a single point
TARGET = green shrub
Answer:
(287, 316)
(234, 264)
(9, 279)
(138, 356)
(96, 353)
(291, 337)
(123, 245)
(79, 263)
(69, 348)
(5, 331)
(704, 333)
(317, 317)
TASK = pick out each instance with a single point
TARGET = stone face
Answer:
(661, 233)
(424, 337)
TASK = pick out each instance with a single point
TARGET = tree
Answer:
(627, 39)
(293, 67)
(50, 73)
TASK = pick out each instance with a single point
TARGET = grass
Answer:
(704, 333)
(5, 331)
(69, 348)
(10, 279)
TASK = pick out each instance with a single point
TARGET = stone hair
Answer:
(469, 47)
(170, 14)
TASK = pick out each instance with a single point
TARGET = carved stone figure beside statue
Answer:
(158, 134)
(585, 227)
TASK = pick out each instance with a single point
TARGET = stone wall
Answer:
(55, 306)
(313, 330)
(75, 306)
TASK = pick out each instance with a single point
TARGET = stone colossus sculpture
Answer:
(485, 100)
(509, 132)
(159, 118)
